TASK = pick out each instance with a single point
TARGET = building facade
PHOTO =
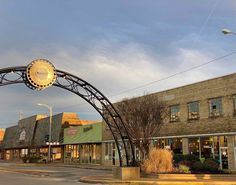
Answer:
(83, 144)
(202, 121)
(31, 136)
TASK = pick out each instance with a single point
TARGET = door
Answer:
(223, 157)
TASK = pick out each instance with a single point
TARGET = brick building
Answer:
(202, 121)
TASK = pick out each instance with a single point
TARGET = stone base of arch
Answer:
(126, 173)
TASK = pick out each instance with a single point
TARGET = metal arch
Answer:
(90, 94)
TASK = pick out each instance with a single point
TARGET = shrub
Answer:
(184, 169)
(34, 159)
(197, 166)
(210, 165)
(186, 163)
(188, 157)
(159, 161)
(178, 157)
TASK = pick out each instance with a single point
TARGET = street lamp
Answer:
(50, 128)
(227, 31)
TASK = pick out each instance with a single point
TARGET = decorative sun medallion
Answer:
(40, 74)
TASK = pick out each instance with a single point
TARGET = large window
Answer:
(215, 107)
(206, 144)
(174, 113)
(193, 144)
(72, 153)
(193, 110)
(175, 144)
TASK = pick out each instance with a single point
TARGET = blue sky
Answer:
(115, 45)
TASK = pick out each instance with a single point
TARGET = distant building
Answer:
(2, 132)
(31, 136)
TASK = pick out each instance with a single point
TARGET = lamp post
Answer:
(227, 31)
(50, 129)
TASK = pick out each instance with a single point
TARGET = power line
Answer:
(165, 78)
(175, 74)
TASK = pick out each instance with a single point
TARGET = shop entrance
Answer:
(223, 157)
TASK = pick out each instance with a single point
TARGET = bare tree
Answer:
(143, 117)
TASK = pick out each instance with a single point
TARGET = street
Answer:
(17, 174)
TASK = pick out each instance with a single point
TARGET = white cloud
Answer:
(111, 69)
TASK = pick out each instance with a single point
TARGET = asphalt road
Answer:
(16, 174)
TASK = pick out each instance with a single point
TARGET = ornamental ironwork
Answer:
(41, 74)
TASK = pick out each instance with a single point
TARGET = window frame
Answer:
(198, 113)
(234, 104)
(218, 113)
(175, 118)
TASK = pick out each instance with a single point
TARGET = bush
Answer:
(178, 157)
(34, 159)
(159, 161)
(186, 163)
(183, 169)
(197, 166)
(211, 166)
(188, 157)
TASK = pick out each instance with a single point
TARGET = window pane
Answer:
(174, 109)
(174, 113)
(193, 109)
(216, 107)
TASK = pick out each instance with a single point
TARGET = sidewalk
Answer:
(143, 181)
(161, 179)
(83, 166)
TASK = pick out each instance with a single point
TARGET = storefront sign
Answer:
(72, 131)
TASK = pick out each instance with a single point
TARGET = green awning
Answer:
(83, 134)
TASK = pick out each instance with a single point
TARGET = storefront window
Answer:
(206, 147)
(72, 153)
(16, 153)
(194, 146)
(108, 151)
(8, 154)
(24, 152)
(91, 153)
(216, 145)
(223, 141)
(174, 144)
(56, 153)
(193, 110)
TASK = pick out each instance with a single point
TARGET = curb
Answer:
(143, 181)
